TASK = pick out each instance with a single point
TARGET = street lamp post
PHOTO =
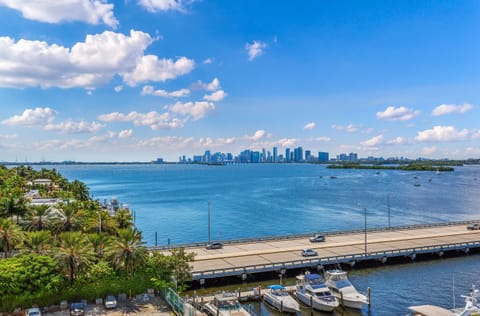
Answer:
(388, 202)
(209, 222)
(365, 216)
(99, 223)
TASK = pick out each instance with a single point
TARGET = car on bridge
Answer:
(318, 238)
(214, 245)
(308, 252)
(475, 226)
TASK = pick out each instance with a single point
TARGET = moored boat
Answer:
(277, 296)
(226, 304)
(338, 283)
(312, 291)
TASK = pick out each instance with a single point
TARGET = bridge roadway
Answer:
(279, 254)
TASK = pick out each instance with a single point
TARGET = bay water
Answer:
(257, 200)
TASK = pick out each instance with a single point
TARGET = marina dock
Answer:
(244, 257)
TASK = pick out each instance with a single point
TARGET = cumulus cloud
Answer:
(151, 68)
(349, 128)
(125, 133)
(118, 88)
(212, 86)
(53, 11)
(8, 136)
(442, 134)
(287, 142)
(150, 90)
(87, 64)
(207, 61)
(32, 117)
(402, 113)
(155, 120)
(195, 110)
(163, 5)
(309, 126)
(255, 49)
(444, 109)
(74, 127)
(216, 96)
(258, 135)
(397, 141)
(374, 141)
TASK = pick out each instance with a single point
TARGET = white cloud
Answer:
(8, 136)
(207, 61)
(444, 109)
(397, 141)
(163, 5)
(442, 134)
(118, 88)
(255, 49)
(212, 86)
(195, 110)
(55, 11)
(475, 134)
(32, 117)
(349, 128)
(149, 90)
(287, 142)
(216, 96)
(74, 127)
(309, 126)
(125, 133)
(258, 135)
(155, 120)
(429, 150)
(322, 139)
(402, 113)
(151, 68)
(374, 141)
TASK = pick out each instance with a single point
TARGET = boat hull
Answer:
(351, 303)
(289, 305)
(318, 304)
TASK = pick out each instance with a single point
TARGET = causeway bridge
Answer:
(278, 254)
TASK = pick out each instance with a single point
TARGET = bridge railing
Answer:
(333, 260)
(307, 235)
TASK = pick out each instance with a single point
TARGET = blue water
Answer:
(253, 200)
(258, 200)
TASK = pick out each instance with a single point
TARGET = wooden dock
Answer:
(280, 254)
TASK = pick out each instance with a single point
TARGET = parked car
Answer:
(317, 238)
(475, 226)
(110, 302)
(309, 252)
(33, 312)
(77, 309)
(215, 245)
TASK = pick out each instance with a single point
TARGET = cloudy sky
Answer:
(133, 80)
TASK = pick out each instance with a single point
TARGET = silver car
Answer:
(308, 252)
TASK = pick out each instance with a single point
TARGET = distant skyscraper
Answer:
(323, 156)
(308, 155)
(353, 157)
(207, 156)
(298, 154)
(275, 154)
(287, 154)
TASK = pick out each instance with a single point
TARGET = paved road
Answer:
(276, 251)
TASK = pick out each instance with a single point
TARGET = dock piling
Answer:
(369, 302)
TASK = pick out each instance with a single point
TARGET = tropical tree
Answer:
(73, 254)
(37, 242)
(70, 217)
(101, 244)
(128, 250)
(182, 270)
(37, 218)
(123, 219)
(79, 190)
(10, 236)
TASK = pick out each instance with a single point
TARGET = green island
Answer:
(56, 244)
(407, 167)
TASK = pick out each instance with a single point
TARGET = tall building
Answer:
(353, 157)
(308, 155)
(275, 153)
(298, 154)
(207, 156)
(323, 156)
(287, 154)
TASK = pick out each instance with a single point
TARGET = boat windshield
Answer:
(280, 292)
(323, 294)
(228, 305)
(343, 283)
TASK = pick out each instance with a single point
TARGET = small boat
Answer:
(312, 291)
(429, 310)
(416, 184)
(341, 287)
(437, 172)
(226, 304)
(277, 296)
(333, 177)
(471, 304)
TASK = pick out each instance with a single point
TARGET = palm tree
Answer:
(38, 217)
(128, 251)
(123, 219)
(101, 244)
(10, 235)
(79, 190)
(73, 254)
(70, 218)
(37, 242)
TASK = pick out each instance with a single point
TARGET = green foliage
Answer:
(161, 268)
(408, 167)
(182, 270)
(128, 252)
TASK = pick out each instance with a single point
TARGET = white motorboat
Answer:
(226, 304)
(341, 287)
(312, 291)
(277, 296)
(472, 308)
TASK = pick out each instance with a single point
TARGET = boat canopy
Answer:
(314, 276)
(430, 310)
(276, 287)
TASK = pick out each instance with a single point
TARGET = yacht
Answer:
(277, 296)
(341, 287)
(226, 304)
(312, 291)
(472, 308)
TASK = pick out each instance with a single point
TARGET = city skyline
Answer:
(130, 81)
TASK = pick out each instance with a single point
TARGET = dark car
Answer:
(317, 238)
(77, 309)
(214, 245)
(475, 226)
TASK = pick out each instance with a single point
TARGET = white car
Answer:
(33, 312)
(110, 302)
(308, 252)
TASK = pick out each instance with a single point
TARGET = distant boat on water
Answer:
(437, 172)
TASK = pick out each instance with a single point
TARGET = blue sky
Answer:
(132, 80)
